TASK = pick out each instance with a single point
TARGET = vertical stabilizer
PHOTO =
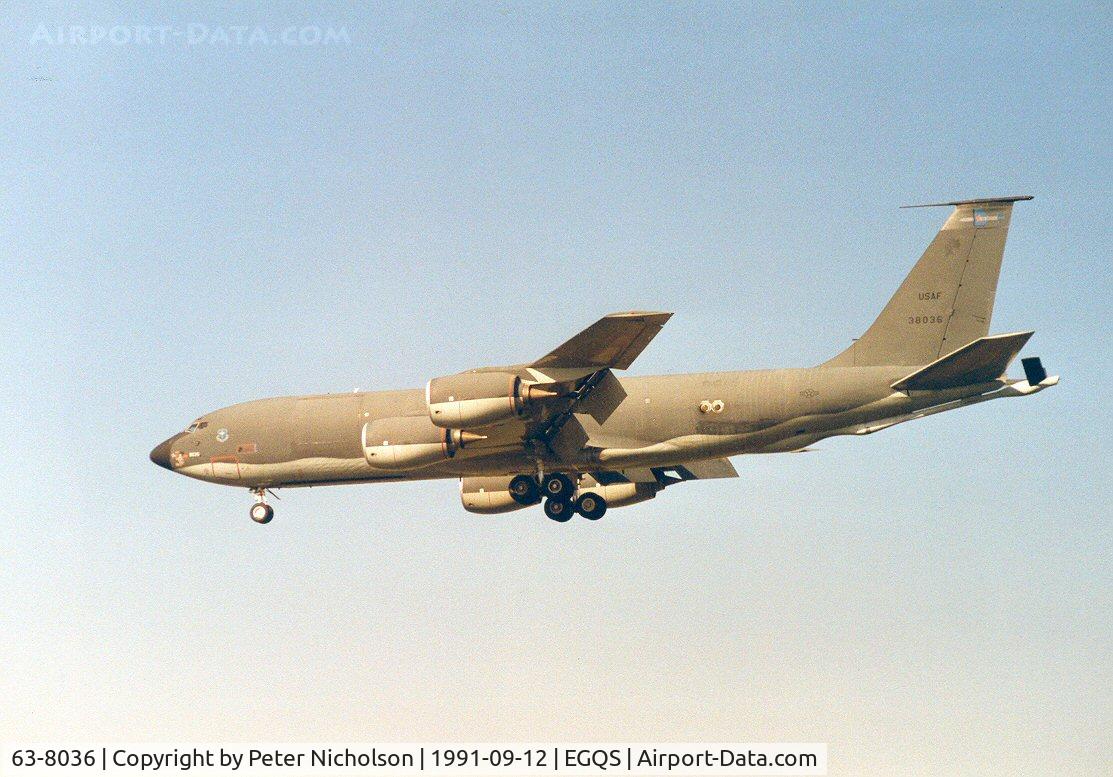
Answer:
(947, 299)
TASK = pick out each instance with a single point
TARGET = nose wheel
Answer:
(261, 512)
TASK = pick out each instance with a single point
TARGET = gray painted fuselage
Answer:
(928, 351)
(315, 440)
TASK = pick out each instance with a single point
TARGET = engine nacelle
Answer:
(488, 495)
(623, 494)
(410, 442)
(473, 399)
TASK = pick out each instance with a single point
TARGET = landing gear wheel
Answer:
(559, 510)
(559, 486)
(261, 512)
(591, 506)
(524, 490)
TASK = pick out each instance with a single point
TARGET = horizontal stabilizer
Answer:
(981, 361)
(984, 201)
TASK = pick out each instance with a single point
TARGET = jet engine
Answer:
(410, 442)
(488, 495)
(473, 399)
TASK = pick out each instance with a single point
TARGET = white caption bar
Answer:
(728, 759)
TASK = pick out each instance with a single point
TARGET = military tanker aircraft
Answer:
(566, 431)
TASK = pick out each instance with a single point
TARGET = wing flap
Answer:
(709, 469)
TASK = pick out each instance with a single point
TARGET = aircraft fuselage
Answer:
(565, 430)
(663, 420)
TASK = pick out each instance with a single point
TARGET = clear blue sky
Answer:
(188, 226)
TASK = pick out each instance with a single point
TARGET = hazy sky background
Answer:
(184, 227)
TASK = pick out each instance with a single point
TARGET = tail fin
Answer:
(947, 299)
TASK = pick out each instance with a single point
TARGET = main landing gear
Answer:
(524, 490)
(261, 512)
(559, 510)
(559, 492)
(559, 486)
(591, 506)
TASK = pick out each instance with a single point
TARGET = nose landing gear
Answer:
(261, 512)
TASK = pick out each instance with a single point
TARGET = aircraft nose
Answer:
(161, 454)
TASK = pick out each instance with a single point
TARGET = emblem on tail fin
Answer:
(983, 218)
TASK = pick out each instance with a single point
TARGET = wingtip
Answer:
(664, 315)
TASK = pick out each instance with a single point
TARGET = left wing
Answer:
(632, 485)
(708, 469)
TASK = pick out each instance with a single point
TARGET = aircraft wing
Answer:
(579, 371)
(664, 476)
(574, 378)
(612, 342)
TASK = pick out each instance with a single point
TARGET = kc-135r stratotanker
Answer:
(565, 430)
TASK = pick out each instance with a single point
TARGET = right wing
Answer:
(575, 377)
(611, 343)
(580, 369)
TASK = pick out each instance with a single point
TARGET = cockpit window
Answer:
(197, 425)
(202, 425)
(192, 427)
